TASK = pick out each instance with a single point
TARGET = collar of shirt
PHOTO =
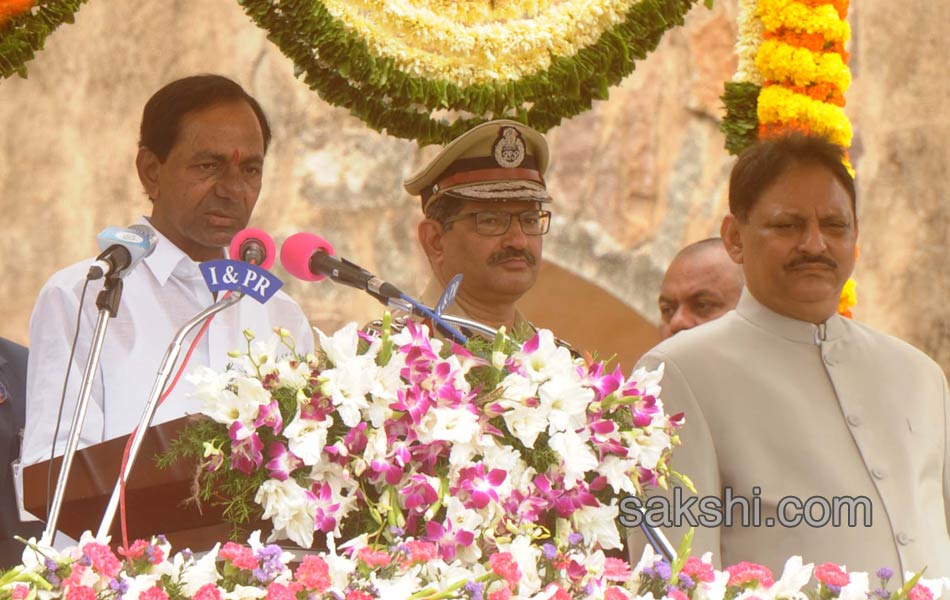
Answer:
(791, 329)
(168, 259)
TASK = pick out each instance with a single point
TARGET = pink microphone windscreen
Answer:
(296, 251)
(259, 235)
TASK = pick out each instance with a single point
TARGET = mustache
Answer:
(503, 255)
(812, 259)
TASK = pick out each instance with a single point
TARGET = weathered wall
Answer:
(634, 179)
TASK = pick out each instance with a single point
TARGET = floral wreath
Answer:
(24, 25)
(792, 76)
(430, 70)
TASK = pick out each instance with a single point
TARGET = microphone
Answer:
(253, 246)
(310, 257)
(122, 250)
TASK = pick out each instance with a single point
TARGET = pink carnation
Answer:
(373, 558)
(616, 569)
(20, 592)
(102, 559)
(831, 574)
(746, 572)
(358, 595)
(421, 552)
(677, 594)
(615, 593)
(560, 594)
(920, 592)
(81, 592)
(153, 593)
(240, 556)
(208, 591)
(314, 574)
(698, 570)
(502, 594)
(75, 575)
(279, 591)
(136, 550)
(504, 565)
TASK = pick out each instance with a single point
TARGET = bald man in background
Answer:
(701, 284)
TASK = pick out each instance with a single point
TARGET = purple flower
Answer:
(574, 539)
(881, 593)
(119, 585)
(549, 551)
(475, 590)
(325, 518)
(482, 487)
(282, 461)
(269, 415)
(447, 541)
(419, 494)
(834, 589)
(685, 581)
(246, 447)
(885, 573)
(663, 569)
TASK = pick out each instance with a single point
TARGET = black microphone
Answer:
(310, 257)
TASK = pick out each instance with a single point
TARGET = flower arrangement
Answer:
(404, 436)
(414, 570)
(430, 70)
(792, 76)
(792, 68)
(24, 25)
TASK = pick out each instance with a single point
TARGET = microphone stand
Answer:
(164, 372)
(108, 304)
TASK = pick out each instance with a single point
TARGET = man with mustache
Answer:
(789, 405)
(200, 158)
(482, 197)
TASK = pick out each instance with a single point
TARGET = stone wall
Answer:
(634, 179)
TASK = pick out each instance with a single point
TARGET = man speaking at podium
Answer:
(201, 152)
(482, 197)
(837, 432)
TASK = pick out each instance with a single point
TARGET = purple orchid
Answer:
(246, 448)
(282, 461)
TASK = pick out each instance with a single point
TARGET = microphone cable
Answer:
(62, 402)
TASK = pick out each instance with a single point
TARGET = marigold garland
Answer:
(24, 26)
(792, 76)
(536, 70)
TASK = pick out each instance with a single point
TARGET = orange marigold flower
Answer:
(13, 8)
(769, 130)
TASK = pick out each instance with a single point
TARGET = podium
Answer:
(155, 499)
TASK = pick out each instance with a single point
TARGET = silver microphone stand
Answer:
(108, 303)
(164, 372)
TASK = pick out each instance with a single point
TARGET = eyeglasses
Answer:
(497, 222)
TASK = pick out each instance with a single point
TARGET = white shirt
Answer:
(160, 295)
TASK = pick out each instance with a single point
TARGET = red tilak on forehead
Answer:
(236, 158)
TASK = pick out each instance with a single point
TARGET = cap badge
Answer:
(509, 150)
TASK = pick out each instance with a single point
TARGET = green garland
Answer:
(340, 67)
(24, 35)
(741, 123)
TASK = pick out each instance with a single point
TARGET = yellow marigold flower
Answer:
(778, 104)
(824, 19)
(781, 62)
(849, 298)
